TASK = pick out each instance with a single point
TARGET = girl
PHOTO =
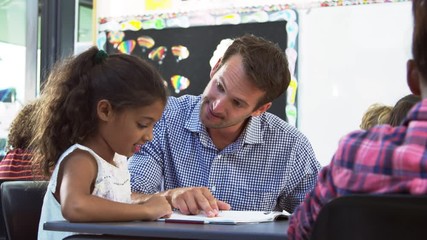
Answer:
(94, 109)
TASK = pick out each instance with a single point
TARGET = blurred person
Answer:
(401, 109)
(383, 159)
(16, 164)
(376, 114)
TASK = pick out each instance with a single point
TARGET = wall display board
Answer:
(184, 46)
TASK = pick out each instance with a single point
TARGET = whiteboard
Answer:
(349, 58)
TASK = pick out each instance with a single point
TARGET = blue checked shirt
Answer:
(271, 166)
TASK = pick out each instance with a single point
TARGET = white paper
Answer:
(228, 217)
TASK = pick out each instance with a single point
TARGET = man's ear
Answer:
(215, 68)
(261, 109)
(412, 77)
(104, 110)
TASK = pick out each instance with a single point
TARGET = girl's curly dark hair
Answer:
(74, 87)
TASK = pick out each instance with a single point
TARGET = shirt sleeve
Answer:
(145, 166)
(303, 175)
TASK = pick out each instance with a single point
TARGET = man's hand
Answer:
(193, 199)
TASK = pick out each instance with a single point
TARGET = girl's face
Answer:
(126, 130)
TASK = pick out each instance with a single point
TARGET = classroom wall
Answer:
(349, 58)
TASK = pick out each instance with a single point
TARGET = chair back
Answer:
(375, 217)
(22, 202)
(3, 234)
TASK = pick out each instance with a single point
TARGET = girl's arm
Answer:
(76, 179)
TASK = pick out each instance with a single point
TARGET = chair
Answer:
(22, 202)
(3, 234)
(372, 217)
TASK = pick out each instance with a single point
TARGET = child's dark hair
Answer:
(401, 109)
(68, 101)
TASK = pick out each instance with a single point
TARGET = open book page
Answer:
(228, 217)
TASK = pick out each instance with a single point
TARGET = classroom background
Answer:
(345, 55)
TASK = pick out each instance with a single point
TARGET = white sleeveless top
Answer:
(112, 182)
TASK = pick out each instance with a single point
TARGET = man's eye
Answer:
(237, 103)
(219, 86)
(141, 125)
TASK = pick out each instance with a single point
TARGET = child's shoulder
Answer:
(78, 156)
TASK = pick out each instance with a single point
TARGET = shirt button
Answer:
(213, 188)
(219, 156)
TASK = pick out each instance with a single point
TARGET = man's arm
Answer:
(293, 199)
(146, 166)
(146, 169)
(304, 174)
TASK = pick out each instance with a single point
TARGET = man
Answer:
(222, 149)
(382, 160)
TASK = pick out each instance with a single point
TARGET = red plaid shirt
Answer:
(381, 160)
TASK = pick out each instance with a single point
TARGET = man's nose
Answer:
(218, 105)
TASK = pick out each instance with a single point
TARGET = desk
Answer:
(271, 230)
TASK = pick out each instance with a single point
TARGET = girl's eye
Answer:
(141, 125)
(237, 103)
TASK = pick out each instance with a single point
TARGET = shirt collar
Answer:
(253, 133)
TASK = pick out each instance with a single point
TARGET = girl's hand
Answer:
(156, 207)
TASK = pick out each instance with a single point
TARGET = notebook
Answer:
(228, 217)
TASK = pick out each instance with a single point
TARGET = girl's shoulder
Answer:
(78, 157)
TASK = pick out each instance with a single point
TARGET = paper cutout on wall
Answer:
(158, 4)
(158, 54)
(292, 91)
(233, 18)
(291, 55)
(292, 30)
(158, 23)
(110, 26)
(180, 52)
(219, 51)
(127, 46)
(145, 42)
(182, 22)
(201, 19)
(133, 25)
(115, 38)
(260, 16)
(179, 83)
(101, 40)
(291, 114)
(287, 15)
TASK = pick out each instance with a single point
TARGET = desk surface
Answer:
(270, 230)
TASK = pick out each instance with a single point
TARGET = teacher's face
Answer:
(230, 97)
